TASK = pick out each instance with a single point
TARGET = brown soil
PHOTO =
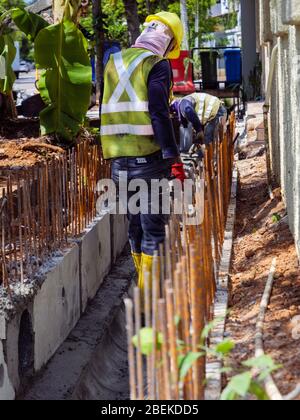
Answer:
(261, 233)
(14, 135)
(14, 156)
(21, 145)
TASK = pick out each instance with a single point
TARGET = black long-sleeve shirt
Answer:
(159, 84)
(188, 112)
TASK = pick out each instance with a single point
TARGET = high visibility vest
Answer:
(126, 128)
(207, 106)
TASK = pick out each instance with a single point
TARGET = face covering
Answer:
(157, 38)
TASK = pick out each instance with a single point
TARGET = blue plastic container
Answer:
(233, 65)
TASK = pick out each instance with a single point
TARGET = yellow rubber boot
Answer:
(146, 267)
(137, 259)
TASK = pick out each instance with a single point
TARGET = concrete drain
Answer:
(106, 376)
(1, 376)
(26, 346)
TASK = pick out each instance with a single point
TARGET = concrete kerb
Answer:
(7, 391)
(57, 297)
(213, 368)
(95, 258)
(119, 235)
(56, 307)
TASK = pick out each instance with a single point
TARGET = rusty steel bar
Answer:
(45, 205)
(189, 263)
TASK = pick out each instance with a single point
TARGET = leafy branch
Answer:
(247, 382)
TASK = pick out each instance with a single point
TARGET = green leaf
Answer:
(228, 395)
(226, 370)
(29, 23)
(276, 218)
(187, 362)
(7, 56)
(177, 320)
(264, 364)
(238, 385)
(261, 362)
(146, 337)
(257, 390)
(65, 86)
(225, 347)
(268, 371)
(209, 327)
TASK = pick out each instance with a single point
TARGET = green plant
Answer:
(61, 51)
(7, 55)
(65, 85)
(251, 381)
(247, 382)
(29, 23)
(276, 218)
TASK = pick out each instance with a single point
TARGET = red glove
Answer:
(178, 172)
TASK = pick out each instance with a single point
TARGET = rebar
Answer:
(183, 288)
(45, 206)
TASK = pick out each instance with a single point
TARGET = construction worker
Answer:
(203, 112)
(136, 130)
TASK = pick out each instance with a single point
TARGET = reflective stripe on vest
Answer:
(135, 105)
(125, 107)
(124, 77)
(137, 130)
(205, 106)
(209, 108)
(201, 104)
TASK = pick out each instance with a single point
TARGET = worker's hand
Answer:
(178, 171)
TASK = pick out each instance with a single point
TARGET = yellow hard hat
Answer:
(175, 24)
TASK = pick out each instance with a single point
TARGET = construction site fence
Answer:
(166, 320)
(45, 206)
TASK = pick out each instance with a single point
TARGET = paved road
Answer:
(26, 83)
(25, 87)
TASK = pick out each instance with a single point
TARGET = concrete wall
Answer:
(57, 302)
(66, 285)
(279, 22)
(248, 21)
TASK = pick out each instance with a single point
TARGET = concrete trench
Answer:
(58, 326)
(106, 376)
(92, 363)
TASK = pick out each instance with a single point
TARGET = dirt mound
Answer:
(23, 153)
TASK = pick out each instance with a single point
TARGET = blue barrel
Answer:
(233, 65)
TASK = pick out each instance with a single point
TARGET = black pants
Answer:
(146, 231)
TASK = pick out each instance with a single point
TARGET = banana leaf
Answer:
(29, 23)
(7, 56)
(65, 85)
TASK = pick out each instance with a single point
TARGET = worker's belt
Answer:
(144, 160)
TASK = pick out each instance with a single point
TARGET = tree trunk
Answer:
(7, 107)
(99, 49)
(197, 27)
(132, 17)
(148, 6)
(185, 22)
